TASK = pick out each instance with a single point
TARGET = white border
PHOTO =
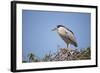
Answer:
(21, 65)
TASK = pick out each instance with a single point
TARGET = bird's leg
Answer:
(67, 45)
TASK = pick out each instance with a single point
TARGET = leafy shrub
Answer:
(63, 54)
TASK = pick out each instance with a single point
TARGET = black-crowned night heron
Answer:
(66, 34)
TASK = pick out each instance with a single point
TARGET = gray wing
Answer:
(72, 38)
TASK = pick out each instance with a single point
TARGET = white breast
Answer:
(61, 31)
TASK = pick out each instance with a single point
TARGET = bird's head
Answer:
(58, 26)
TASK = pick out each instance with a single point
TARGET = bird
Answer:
(66, 34)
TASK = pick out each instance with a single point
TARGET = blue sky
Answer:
(37, 34)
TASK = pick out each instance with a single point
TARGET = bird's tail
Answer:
(75, 44)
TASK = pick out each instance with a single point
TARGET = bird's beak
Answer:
(54, 29)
